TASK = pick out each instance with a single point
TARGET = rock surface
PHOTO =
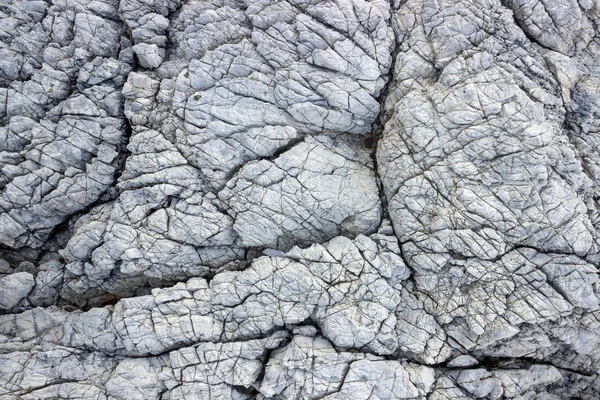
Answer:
(300, 199)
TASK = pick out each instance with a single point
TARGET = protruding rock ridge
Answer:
(279, 93)
(61, 74)
(331, 320)
(488, 192)
(190, 206)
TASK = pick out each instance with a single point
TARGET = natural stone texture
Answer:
(13, 288)
(299, 199)
(316, 190)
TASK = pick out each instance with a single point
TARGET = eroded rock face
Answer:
(265, 199)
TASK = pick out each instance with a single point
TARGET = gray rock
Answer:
(462, 361)
(311, 193)
(13, 288)
(299, 199)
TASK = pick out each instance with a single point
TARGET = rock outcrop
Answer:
(300, 199)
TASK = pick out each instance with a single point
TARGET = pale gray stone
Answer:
(13, 288)
(299, 199)
(462, 361)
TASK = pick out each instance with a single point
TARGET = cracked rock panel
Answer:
(299, 199)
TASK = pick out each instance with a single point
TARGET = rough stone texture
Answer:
(301, 199)
(13, 288)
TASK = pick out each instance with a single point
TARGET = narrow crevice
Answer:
(267, 354)
(372, 140)
(279, 151)
(507, 5)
